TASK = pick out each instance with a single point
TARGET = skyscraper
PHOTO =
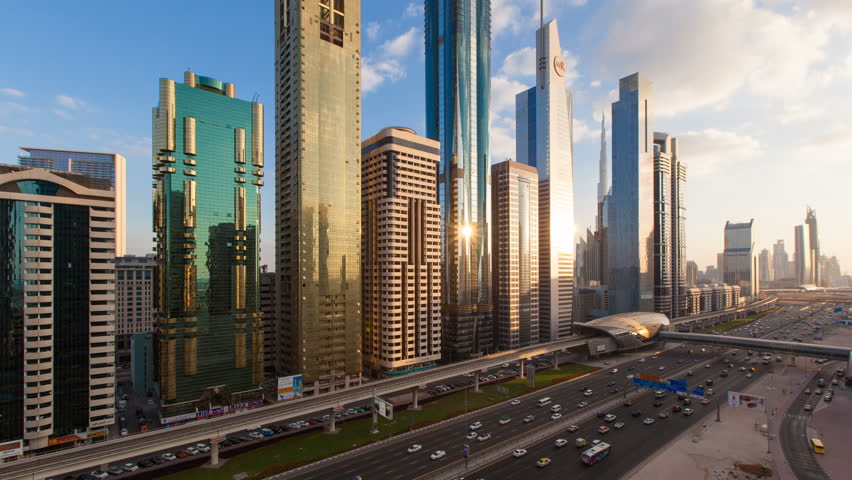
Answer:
(318, 190)
(600, 249)
(207, 161)
(691, 273)
(813, 243)
(400, 252)
(780, 260)
(103, 166)
(458, 96)
(57, 306)
(741, 264)
(631, 229)
(765, 260)
(669, 226)
(603, 163)
(134, 297)
(544, 141)
(802, 255)
(268, 302)
(514, 201)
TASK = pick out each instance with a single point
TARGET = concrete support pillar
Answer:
(103, 467)
(521, 369)
(476, 382)
(331, 426)
(556, 360)
(347, 381)
(414, 405)
(214, 453)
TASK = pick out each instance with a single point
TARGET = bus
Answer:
(596, 453)
(817, 446)
(543, 401)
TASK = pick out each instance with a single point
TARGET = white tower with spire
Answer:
(603, 180)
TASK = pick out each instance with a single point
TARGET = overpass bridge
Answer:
(708, 319)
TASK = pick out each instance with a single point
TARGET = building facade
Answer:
(740, 261)
(268, 302)
(400, 252)
(631, 216)
(678, 231)
(134, 300)
(802, 255)
(765, 260)
(665, 149)
(207, 161)
(318, 191)
(458, 99)
(515, 262)
(544, 140)
(57, 306)
(102, 166)
(691, 274)
(815, 276)
(780, 261)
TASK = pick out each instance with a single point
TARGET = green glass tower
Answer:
(207, 160)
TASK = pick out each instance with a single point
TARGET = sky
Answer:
(757, 92)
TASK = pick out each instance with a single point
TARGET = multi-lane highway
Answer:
(632, 443)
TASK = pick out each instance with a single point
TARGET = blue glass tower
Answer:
(458, 94)
(631, 218)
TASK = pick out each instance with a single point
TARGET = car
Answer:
(438, 454)
(267, 432)
(658, 403)
(415, 448)
(690, 373)
(130, 467)
(556, 416)
(618, 424)
(628, 403)
(834, 381)
(636, 413)
(584, 388)
(556, 408)
(202, 447)
(150, 401)
(643, 360)
(587, 393)
(181, 454)
(529, 418)
(709, 381)
(614, 370)
(99, 474)
(560, 442)
(475, 425)
(707, 366)
(123, 432)
(504, 420)
(519, 452)
(484, 436)
(471, 435)
(146, 463)
(663, 415)
(601, 414)
(543, 462)
(610, 384)
(742, 369)
(582, 404)
(246, 438)
(609, 417)
(115, 470)
(676, 408)
(580, 442)
(688, 411)
(192, 451)
(827, 397)
(749, 375)
(661, 367)
(659, 394)
(818, 391)
(158, 460)
(631, 376)
(687, 401)
(614, 390)
(168, 457)
(573, 428)
(808, 408)
(808, 391)
(515, 402)
(648, 420)
(595, 441)
(603, 429)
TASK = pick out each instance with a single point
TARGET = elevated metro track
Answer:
(775, 346)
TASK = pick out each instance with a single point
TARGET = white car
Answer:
(560, 442)
(661, 367)
(648, 421)
(192, 451)
(642, 360)
(515, 402)
(609, 417)
(687, 411)
(202, 447)
(130, 467)
(484, 436)
(582, 404)
(472, 435)
(123, 432)
(475, 425)
(587, 393)
(99, 474)
(438, 454)
(518, 452)
(256, 435)
(556, 408)
(543, 462)
(529, 418)
(573, 428)
(414, 448)
(556, 416)
(168, 457)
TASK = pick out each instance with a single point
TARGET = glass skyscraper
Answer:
(669, 227)
(207, 161)
(458, 96)
(318, 191)
(544, 140)
(740, 261)
(815, 276)
(631, 215)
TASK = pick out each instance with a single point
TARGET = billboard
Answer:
(666, 385)
(211, 412)
(289, 387)
(13, 448)
(383, 407)
(743, 400)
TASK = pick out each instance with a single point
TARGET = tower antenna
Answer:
(542, 13)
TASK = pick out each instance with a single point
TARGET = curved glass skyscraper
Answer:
(458, 93)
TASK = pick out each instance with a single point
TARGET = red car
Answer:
(181, 454)
(676, 408)
(628, 403)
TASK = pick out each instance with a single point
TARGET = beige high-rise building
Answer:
(318, 191)
(57, 306)
(514, 256)
(400, 252)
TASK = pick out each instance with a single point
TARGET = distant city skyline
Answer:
(731, 127)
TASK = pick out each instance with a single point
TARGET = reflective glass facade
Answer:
(740, 261)
(12, 319)
(318, 191)
(207, 164)
(631, 214)
(544, 136)
(458, 94)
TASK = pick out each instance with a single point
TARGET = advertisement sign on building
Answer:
(383, 407)
(743, 400)
(289, 387)
(13, 448)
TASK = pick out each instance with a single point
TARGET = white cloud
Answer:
(372, 30)
(836, 135)
(571, 62)
(706, 150)
(503, 92)
(582, 131)
(520, 63)
(403, 44)
(63, 113)
(11, 92)
(800, 112)
(69, 102)
(21, 132)
(374, 74)
(414, 9)
(502, 138)
(595, 83)
(14, 107)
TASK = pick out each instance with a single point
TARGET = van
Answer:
(581, 442)
(821, 382)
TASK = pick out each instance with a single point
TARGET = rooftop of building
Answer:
(30, 150)
(631, 329)
(82, 180)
